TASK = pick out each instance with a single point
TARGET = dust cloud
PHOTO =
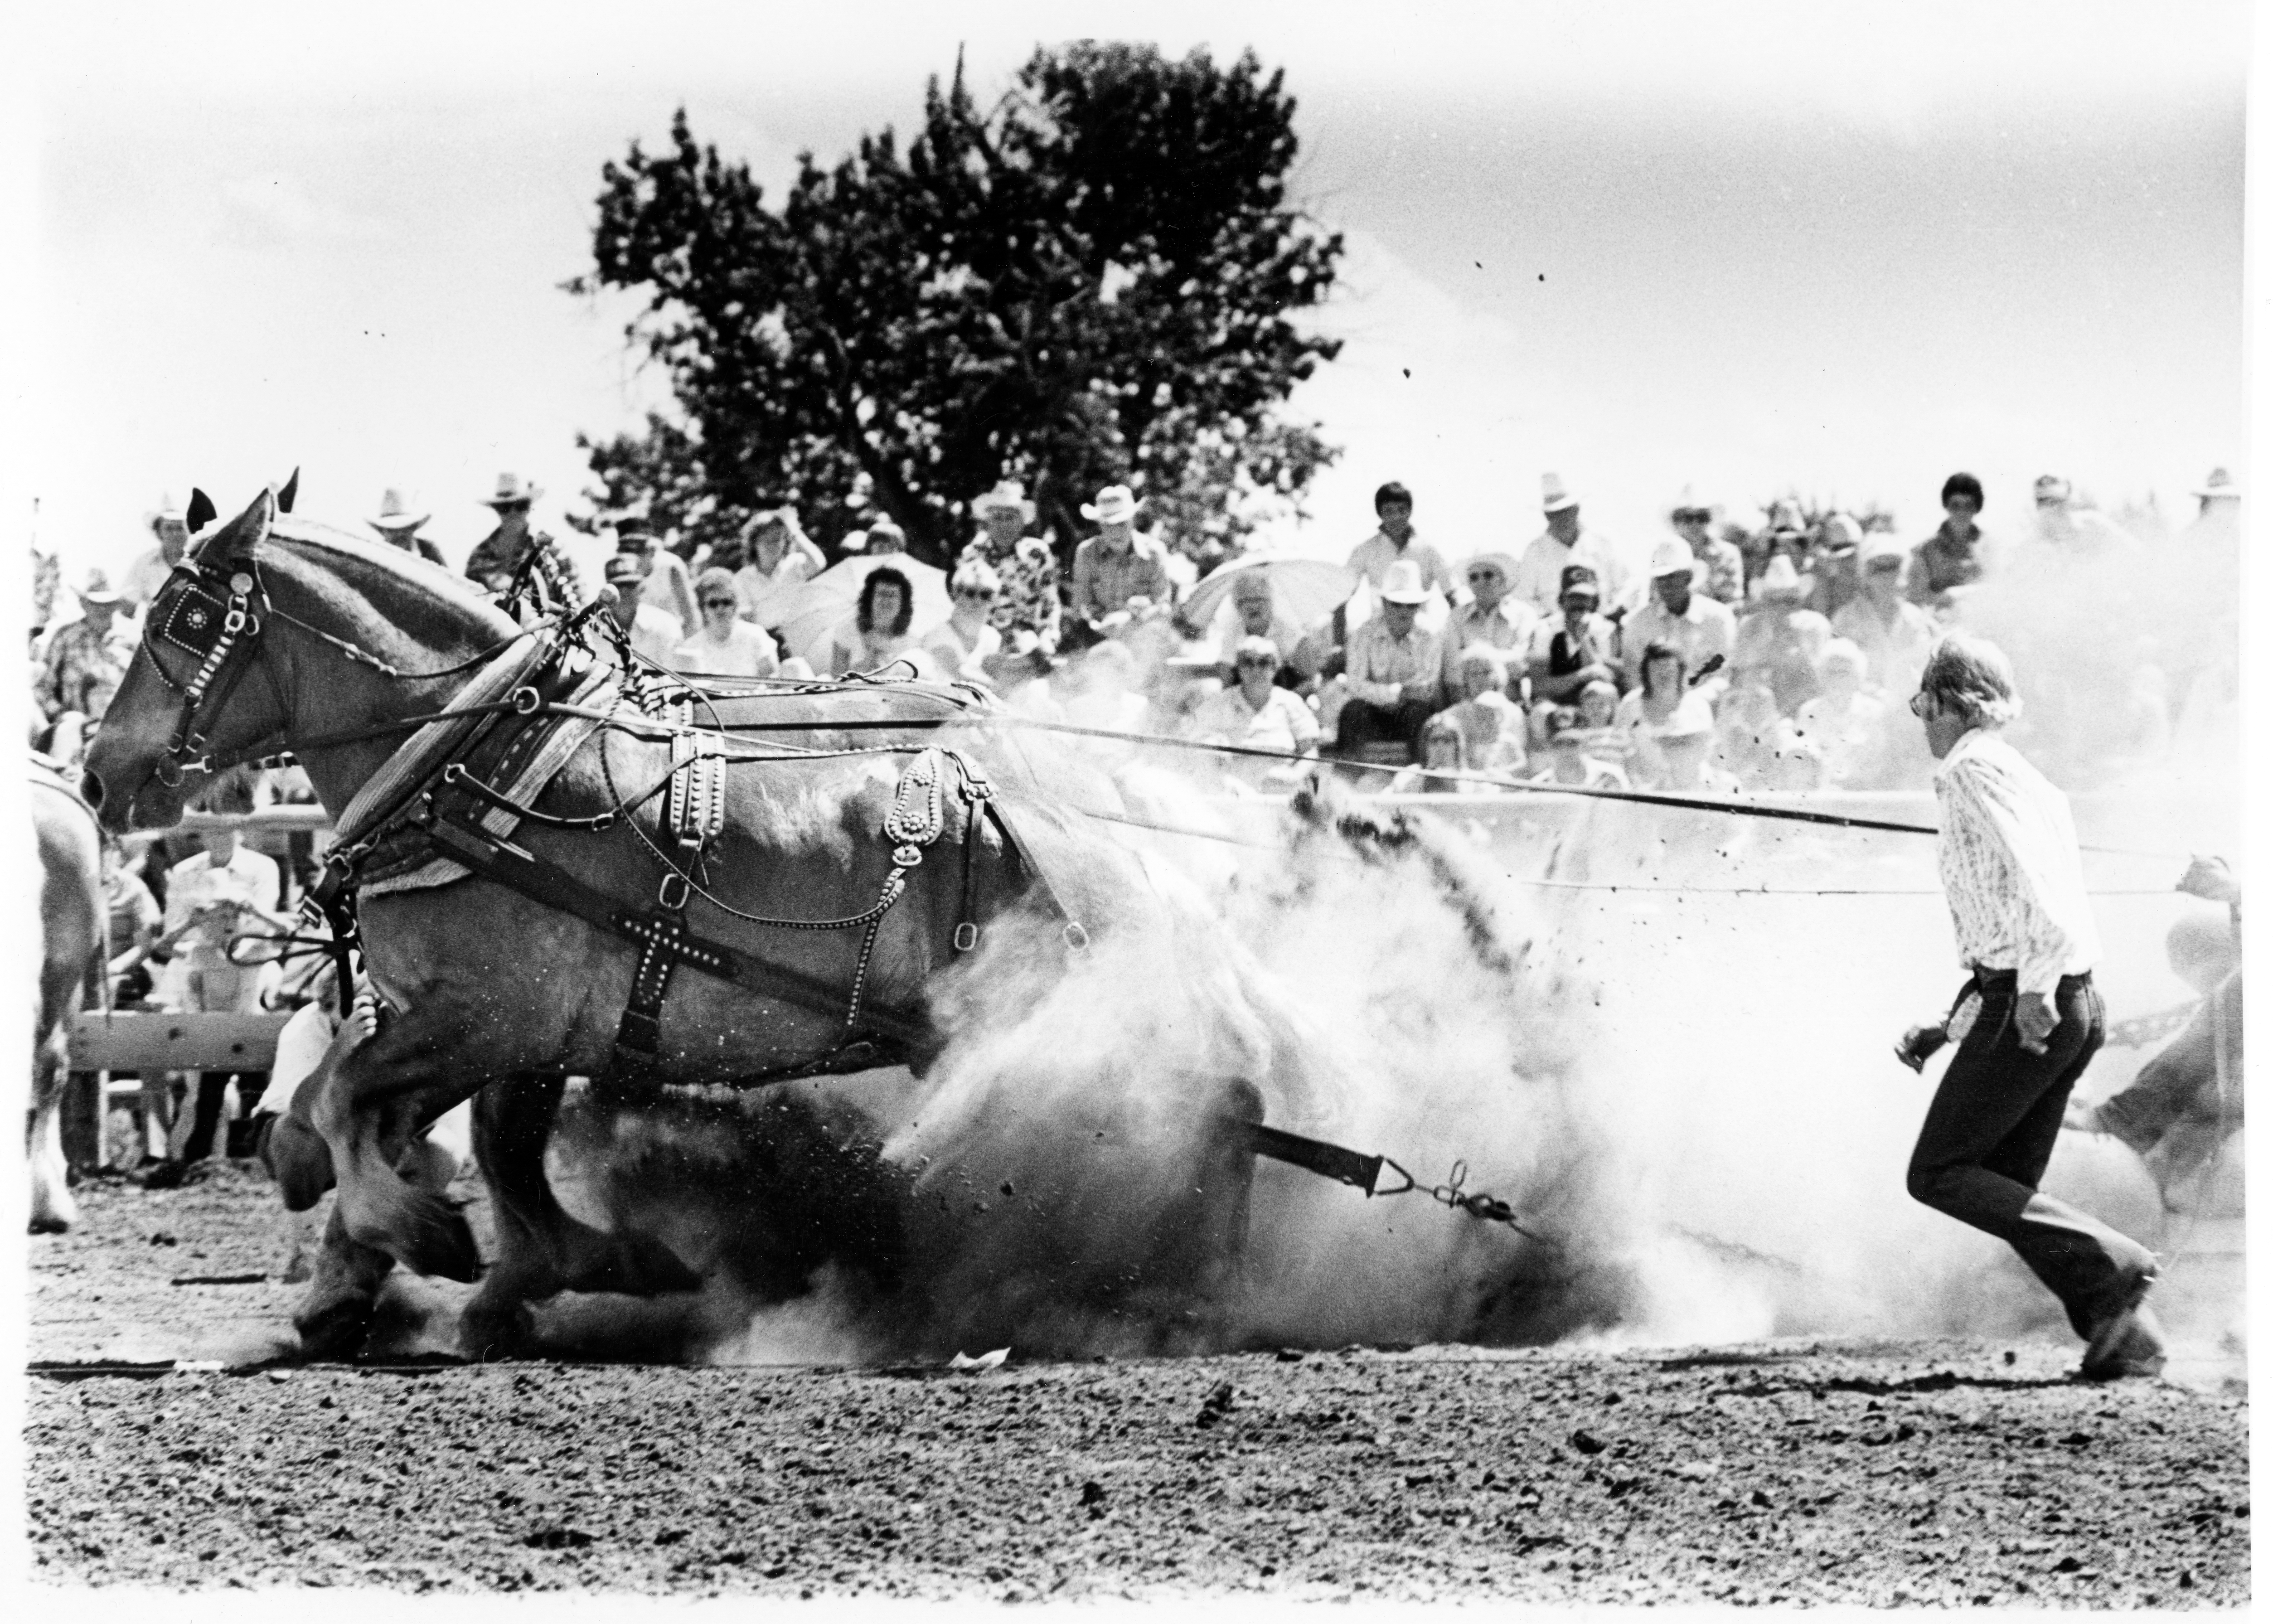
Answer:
(1674, 1063)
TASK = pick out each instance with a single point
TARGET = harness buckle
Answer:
(527, 700)
(1076, 937)
(233, 622)
(675, 892)
(167, 772)
(966, 936)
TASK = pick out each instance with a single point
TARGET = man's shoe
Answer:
(2112, 1325)
(2141, 1353)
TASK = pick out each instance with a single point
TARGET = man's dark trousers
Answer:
(1991, 1130)
(1363, 722)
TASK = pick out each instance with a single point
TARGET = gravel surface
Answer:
(1947, 1472)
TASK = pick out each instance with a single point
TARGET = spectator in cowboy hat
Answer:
(399, 526)
(1578, 647)
(1678, 615)
(1024, 564)
(2217, 527)
(1772, 641)
(86, 658)
(1395, 541)
(500, 553)
(1395, 673)
(147, 573)
(1539, 573)
(1493, 616)
(1844, 721)
(1116, 568)
(1894, 634)
(1959, 552)
(1720, 564)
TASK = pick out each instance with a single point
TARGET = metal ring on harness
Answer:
(966, 936)
(675, 893)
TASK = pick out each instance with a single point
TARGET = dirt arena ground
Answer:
(1938, 1472)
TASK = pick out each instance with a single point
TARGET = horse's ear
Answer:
(202, 511)
(241, 536)
(291, 489)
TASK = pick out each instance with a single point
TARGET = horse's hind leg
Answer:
(541, 1250)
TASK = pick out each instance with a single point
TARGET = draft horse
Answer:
(755, 882)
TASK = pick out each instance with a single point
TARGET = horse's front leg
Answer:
(53, 1209)
(359, 1108)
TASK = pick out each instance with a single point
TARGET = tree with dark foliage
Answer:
(1091, 284)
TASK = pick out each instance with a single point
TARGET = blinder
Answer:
(216, 619)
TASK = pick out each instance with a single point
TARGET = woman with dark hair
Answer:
(879, 633)
(1664, 680)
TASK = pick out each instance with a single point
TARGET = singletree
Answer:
(1091, 284)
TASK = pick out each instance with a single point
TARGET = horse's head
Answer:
(183, 710)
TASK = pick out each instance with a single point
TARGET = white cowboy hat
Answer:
(395, 512)
(1116, 504)
(1400, 584)
(1779, 583)
(1882, 544)
(166, 511)
(1688, 500)
(1009, 494)
(1671, 557)
(96, 589)
(2052, 488)
(1504, 562)
(1554, 496)
(511, 490)
(2219, 484)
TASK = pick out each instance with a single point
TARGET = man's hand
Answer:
(2036, 1018)
(2209, 878)
(1918, 1045)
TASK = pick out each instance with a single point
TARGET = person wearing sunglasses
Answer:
(724, 645)
(963, 644)
(1493, 615)
(2029, 1019)
(1255, 713)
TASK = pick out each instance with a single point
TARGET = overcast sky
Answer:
(1849, 248)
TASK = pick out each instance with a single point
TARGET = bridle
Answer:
(217, 619)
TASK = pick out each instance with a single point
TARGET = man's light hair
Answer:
(1488, 657)
(1972, 676)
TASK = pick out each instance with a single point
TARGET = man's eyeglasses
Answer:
(1251, 662)
(720, 603)
(1477, 577)
(976, 594)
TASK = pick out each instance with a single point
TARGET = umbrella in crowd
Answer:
(802, 618)
(1305, 590)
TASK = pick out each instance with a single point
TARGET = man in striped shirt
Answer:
(2030, 1019)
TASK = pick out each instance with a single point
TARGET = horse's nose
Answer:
(91, 786)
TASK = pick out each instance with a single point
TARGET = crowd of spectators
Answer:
(1769, 652)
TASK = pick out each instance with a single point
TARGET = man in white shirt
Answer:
(1680, 617)
(1539, 573)
(1395, 541)
(654, 633)
(148, 573)
(2028, 1021)
(1396, 670)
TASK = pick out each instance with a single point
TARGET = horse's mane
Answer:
(357, 560)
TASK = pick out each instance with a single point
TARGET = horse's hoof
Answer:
(490, 1333)
(335, 1328)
